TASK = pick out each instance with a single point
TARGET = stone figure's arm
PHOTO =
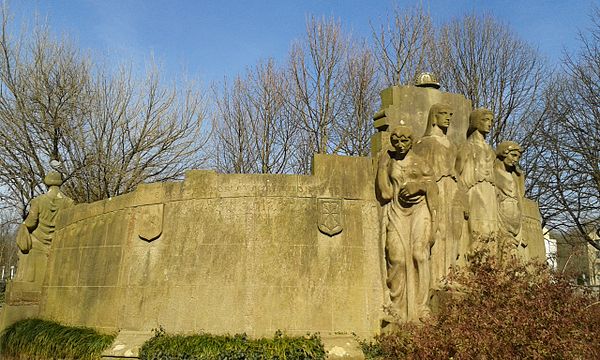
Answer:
(31, 221)
(384, 185)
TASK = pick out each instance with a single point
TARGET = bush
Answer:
(40, 339)
(504, 310)
(237, 347)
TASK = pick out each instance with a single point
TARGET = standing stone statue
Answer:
(40, 225)
(510, 192)
(475, 169)
(406, 186)
(440, 154)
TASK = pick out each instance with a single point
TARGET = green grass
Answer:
(236, 347)
(45, 340)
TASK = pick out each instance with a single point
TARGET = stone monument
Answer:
(360, 242)
(440, 153)
(34, 240)
(510, 192)
(475, 195)
(407, 187)
(475, 169)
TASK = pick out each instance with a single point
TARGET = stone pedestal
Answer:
(22, 302)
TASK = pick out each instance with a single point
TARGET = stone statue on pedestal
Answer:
(39, 225)
(475, 169)
(510, 192)
(407, 187)
(440, 153)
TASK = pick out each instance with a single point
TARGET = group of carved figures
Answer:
(432, 189)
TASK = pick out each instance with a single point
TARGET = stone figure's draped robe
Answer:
(41, 222)
(440, 154)
(407, 225)
(510, 190)
(475, 168)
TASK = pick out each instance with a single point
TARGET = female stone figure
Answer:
(406, 186)
(475, 169)
(440, 154)
(510, 191)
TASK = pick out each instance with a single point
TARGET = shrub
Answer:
(237, 347)
(504, 310)
(40, 339)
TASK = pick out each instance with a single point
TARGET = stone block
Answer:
(344, 176)
(156, 193)
(411, 104)
(119, 202)
(63, 267)
(127, 345)
(342, 347)
(10, 314)
(100, 266)
(119, 226)
(349, 309)
(98, 307)
(200, 184)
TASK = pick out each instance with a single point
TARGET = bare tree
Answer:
(484, 60)
(361, 88)
(570, 142)
(403, 46)
(255, 133)
(111, 132)
(137, 131)
(316, 74)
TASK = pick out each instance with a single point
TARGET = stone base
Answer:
(127, 345)
(10, 314)
(23, 292)
(342, 347)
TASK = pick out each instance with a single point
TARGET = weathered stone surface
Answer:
(412, 104)
(440, 153)
(510, 193)
(230, 253)
(407, 188)
(475, 170)
(127, 345)
(237, 253)
(342, 347)
(479, 200)
(35, 236)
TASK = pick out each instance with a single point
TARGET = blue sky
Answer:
(211, 39)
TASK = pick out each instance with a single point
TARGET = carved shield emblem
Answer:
(149, 222)
(330, 216)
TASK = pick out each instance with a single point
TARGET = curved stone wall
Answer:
(225, 253)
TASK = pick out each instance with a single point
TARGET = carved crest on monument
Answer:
(330, 216)
(149, 222)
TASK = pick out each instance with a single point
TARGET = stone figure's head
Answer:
(401, 138)
(53, 178)
(440, 115)
(480, 120)
(509, 152)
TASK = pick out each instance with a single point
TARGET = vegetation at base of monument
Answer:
(502, 310)
(236, 347)
(35, 339)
